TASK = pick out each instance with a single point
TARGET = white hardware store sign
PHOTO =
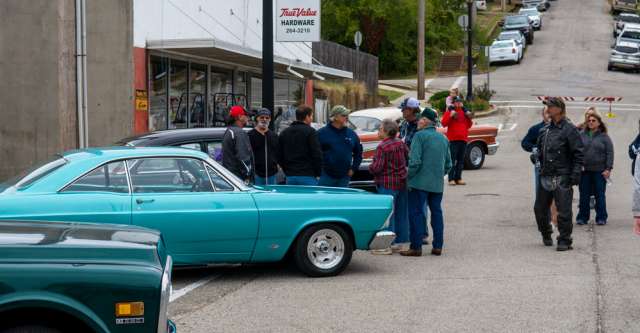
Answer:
(298, 20)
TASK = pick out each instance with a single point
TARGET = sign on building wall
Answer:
(297, 20)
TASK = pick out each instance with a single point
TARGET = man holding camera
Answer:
(457, 120)
(561, 158)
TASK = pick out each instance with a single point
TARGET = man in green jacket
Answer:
(429, 162)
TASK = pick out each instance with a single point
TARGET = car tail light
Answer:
(513, 50)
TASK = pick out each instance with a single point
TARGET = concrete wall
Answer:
(37, 89)
(38, 71)
(110, 70)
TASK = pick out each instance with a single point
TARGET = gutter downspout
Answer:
(81, 73)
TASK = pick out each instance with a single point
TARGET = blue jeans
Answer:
(592, 183)
(326, 180)
(399, 220)
(302, 180)
(264, 181)
(417, 215)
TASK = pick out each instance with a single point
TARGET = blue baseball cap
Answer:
(410, 103)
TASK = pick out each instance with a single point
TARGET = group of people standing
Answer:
(565, 155)
(410, 164)
(327, 157)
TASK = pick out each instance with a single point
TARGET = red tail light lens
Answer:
(513, 50)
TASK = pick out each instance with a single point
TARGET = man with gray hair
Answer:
(341, 149)
(389, 169)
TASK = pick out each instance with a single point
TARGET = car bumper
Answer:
(509, 58)
(624, 63)
(493, 149)
(535, 24)
(171, 327)
(382, 240)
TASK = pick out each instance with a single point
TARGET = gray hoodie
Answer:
(598, 151)
(237, 155)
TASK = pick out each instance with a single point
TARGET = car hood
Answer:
(284, 189)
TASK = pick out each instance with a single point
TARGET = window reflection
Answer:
(178, 94)
(198, 78)
(158, 94)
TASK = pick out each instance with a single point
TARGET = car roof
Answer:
(503, 41)
(379, 113)
(631, 26)
(629, 14)
(110, 153)
(176, 135)
(511, 32)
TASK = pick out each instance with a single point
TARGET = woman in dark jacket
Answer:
(598, 163)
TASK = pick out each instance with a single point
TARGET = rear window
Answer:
(631, 2)
(34, 174)
(508, 36)
(501, 45)
(630, 19)
(516, 20)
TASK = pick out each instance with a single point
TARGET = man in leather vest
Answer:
(560, 154)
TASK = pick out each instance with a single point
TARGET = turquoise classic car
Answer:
(80, 277)
(205, 213)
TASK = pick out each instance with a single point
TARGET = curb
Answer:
(486, 113)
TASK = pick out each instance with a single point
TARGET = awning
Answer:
(237, 54)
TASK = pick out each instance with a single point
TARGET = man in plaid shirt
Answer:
(389, 168)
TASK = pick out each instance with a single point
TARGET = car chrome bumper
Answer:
(624, 64)
(382, 240)
(493, 149)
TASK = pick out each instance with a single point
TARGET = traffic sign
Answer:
(463, 21)
(357, 39)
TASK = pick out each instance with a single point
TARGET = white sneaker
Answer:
(386, 251)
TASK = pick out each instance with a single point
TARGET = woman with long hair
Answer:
(598, 163)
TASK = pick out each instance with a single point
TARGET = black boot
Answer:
(546, 240)
(564, 246)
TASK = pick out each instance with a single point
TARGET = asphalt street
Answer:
(495, 275)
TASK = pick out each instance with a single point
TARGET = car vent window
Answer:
(219, 183)
(214, 149)
(110, 177)
(192, 145)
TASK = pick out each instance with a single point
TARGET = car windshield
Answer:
(631, 34)
(516, 20)
(34, 174)
(508, 36)
(631, 2)
(500, 45)
(366, 124)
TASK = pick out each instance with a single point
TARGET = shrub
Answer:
(439, 95)
(478, 104)
(483, 92)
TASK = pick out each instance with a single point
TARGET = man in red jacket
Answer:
(457, 120)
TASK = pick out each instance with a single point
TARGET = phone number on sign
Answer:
(298, 30)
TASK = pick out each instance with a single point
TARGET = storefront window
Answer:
(178, 95)
(197, 90)
(256, 93)
(158, 94)
(240, 86)
(220, 96)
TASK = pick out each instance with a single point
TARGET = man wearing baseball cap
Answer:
(237, 155)
(264, 144)
(341, 149)
(429, 162)
(410, 112)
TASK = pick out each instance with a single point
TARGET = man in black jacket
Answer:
(299, 150)
(237, 156)
(560, 153)
(264, 144)
(634, 148)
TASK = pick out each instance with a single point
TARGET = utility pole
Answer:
(267, 56)
(421, 23)
(504, 5)
(470, 4)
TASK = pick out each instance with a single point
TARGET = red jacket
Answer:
(458, 127)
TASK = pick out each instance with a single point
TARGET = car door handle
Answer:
(141, 201)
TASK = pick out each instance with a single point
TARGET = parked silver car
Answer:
(622, 20)
(535, 17)
(630, 33)
(625, 55)
(514, 35)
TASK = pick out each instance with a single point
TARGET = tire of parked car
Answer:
(323, 250)
(474, 156)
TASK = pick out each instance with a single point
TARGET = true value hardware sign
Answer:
(298, 20)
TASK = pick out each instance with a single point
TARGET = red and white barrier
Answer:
(609, 99)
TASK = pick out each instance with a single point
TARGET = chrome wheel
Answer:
(325, 249)
(476, 155)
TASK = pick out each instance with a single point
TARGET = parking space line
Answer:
(191, 287)
(513, 127)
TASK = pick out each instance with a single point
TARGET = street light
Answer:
(470, 4)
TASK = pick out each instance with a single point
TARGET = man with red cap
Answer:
(237, 155)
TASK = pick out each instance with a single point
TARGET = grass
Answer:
(390, 94)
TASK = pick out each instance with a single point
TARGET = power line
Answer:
(219, 23)
(190, 18)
